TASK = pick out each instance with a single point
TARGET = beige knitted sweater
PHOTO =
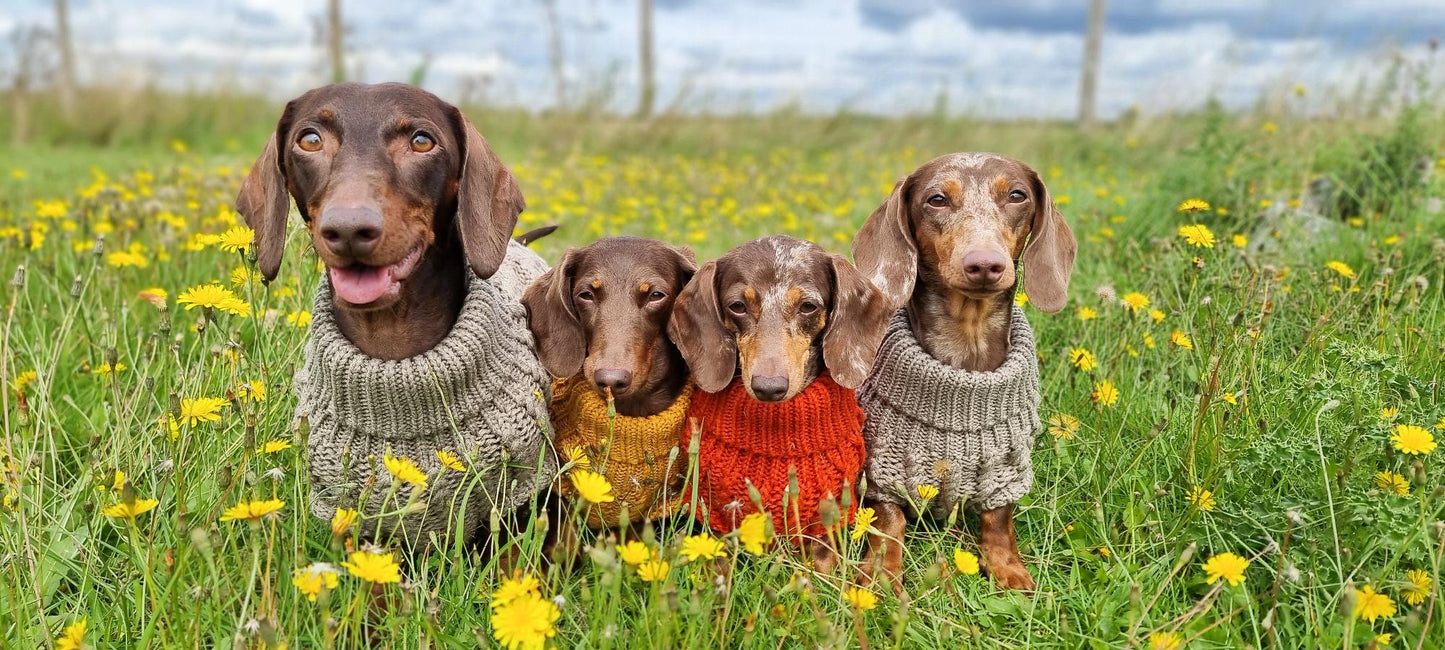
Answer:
(968, 434)
(481, 395)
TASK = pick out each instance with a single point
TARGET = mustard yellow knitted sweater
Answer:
(634, 460)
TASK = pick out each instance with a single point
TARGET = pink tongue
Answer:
(360, 285)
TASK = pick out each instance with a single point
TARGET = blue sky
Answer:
(1017, 59)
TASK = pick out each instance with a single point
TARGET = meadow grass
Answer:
(1270, 369)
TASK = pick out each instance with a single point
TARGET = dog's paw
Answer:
(1011, 575)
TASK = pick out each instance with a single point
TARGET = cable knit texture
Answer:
(969, 434)
(519, 268)
(634, 458)
(819, 432)
(480, 394)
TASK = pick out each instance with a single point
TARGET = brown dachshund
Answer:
(403, 199)
(775, 313)
(944, 246)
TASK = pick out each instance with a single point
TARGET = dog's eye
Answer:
(309, 141)
(808, 307)
(938, 200)
(585, 295)
(1017, 196)
(656, 295)
(422, 143)
(737, 308)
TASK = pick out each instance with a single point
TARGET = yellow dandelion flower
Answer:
(211, 295)
(72, 637)
(300, 318)
(578, 457)
(1413, 440)
(1389, 412)
(342, 521)
(274, 446)
(702, 546)
(965, 562)
(1239, 241)
(450, 460)
(253, 391)
(405, 470)
(591, 486)
(753, 532)
(201, 409)
(1419, 590)
(927, 492)
(861, 522)
(1165, 641)
(1134, 301)
(1086, 313)
(514, 587)
(156, 296)
(129, 509)
(1193, 205)
(1371, 605)
(242, 276)
(1180, 339)
(1229, 398)
(22, 380)
(1201, 498)
(653, 570)
(1021, 299)
(525, 623)
(252, 510)
(635, 553)
(1383, 639)
(1228, 566)
(1082, 359)
(107, 368)
(1341, 268)
(127, 259)
(1392, 482)
(376, 568)
(1157, 315)
(1063, 426)
(861, 599)
(1105, 394)
(1440, 424)
(1197, 235)
(310, 580)
(237, 239)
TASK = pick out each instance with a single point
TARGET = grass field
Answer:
(1274, 394)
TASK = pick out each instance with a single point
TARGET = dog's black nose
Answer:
(617, 380)
(769, 389)
(351, 231)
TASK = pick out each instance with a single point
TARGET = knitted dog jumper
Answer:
(480, 394)
(634, 459)
(966, 433)
(819, 432)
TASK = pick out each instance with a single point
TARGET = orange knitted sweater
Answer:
(635, 457)
(819, 432)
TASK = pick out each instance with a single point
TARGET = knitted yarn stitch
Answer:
(818, 432)
(969, 434)
(634, 459)
(480, 394)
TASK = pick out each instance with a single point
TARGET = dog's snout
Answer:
(984, 267)
(351, 231)
(769, 388)
(616, 379)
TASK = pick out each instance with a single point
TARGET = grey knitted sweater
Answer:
(480, 394)
(966, 433)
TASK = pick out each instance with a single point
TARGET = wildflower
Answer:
(927, 492)
(1148, 340)
(1389, 412)
(1105, 393)
(214, 296)
(592, 486)
(512, 588)
(242, 276)
(1413, 440)
(965, 562)
(376, 568)
(635, 552)
(405, 470)
(1193, 205)
(1419, 587)
(577, 457)
(1383, 639)
(1087, 313)
(310, 580)
(342, 520)
(1392, 482)
(1229, 398)
(1197, 235)
(254, 390)
(653, 570)
(1021, 299)
(1371, 605)
(22, 380)
(300, 318)
(1134, 301)
(108, 368)
(525, 623)
(450, 460)
(1063, 426)
(1082, 359)
(237, 239)
(1157, 315)
(201, 409)
(129, 509)
(753, 531)
(861, 522)
(123, 259)
(1228, 566)
(51, 209)
(72, 637)
(156, 296)
(273, 446)
(252, 510)
(1181, 339)
(702, 546)
(1341, 268)
(1201, 498)
(861, 599)
(1165, 641)
(1441, 423)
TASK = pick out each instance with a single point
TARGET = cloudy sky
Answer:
(1019, 58)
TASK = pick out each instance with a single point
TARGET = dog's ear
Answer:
(885, 250)
(488, 201)
(561, 342)
(856, 325)
(688, 255)
(696, 328)
(1049, 257)
(264, 202)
